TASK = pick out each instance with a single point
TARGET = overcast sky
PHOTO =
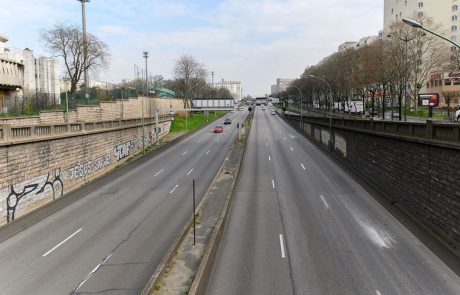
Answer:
(252, 41)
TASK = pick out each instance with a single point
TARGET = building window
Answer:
(392, 11)
(454, 7)
(453, 28)
(454, 18)
(420, 4)
(453, 38)
(420, 14)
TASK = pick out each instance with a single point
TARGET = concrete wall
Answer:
(36, 171)
(104, 111)
(422, 176)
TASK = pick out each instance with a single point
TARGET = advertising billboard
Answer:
(424, 99)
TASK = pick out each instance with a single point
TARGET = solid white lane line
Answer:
(324, 201)
(269, 158)
(89, 275)
(303, 167)
(283, 254)
(207, 152)
(184, 153)
(172, 191)
(292, 149)
(58, 245)
(159, 172)
(377, 292)
(273, 183)
(190, 172)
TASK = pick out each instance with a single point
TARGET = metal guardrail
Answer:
(11, 133)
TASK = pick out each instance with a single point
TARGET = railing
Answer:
(430, 130)
(12, 133)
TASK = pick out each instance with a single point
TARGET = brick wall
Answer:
(35, 173)
(422, 176)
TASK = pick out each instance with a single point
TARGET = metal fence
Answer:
(11, 106)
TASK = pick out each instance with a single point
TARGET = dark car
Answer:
(218, 129)
(227, 121)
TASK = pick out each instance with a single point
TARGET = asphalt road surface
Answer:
(111, 241)
(300, 224)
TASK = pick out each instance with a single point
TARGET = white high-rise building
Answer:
(233, 86)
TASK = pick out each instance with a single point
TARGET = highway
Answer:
(299, 224)
(111, 241)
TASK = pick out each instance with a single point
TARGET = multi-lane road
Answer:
(111, 241)
(300, 224)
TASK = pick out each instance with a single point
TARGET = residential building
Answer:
(347, 46)
(444, 13)
(283, 84)
(233, 86)
(32, 75)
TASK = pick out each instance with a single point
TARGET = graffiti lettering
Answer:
(34, 189)
(79, 171)
(122, 151)
(102, 162)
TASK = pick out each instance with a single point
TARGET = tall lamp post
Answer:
(417, 25)
(301, 110)
(145, 54)
(85, 44)
(330, 107)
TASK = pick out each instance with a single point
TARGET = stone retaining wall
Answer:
(35, 172)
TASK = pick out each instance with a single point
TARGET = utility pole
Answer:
(85, 45)
(145, 55)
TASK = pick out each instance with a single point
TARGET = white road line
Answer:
(324, 201)
(266, 143)
(184, 153)
(283, 254)
(269, 158)
(292, 149)
(190, 172)
(89, 275)
(273, 184)
(377, 292)
(207, 152)
(58, 245)
(159, 172)
(303, 167)
(172, 191)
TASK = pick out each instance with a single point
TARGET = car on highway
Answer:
(218, 129)
(227, 121)
(263, 108)
(273, 112)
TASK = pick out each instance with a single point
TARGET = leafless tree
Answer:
(190, 76)
(66, 41)
(449, 97)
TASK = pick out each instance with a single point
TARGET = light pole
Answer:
(145, 54)
(85, 44)
(301, 110)
(417, 25)
(330, 108)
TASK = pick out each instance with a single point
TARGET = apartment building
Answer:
(445, 13)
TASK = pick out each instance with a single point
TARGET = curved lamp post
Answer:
(330, 107)
(417, 25)
(301, 110)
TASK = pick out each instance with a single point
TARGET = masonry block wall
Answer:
(37, 172)
(105, 111)
(420, 175)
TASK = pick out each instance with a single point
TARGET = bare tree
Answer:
(66, 41)
(190, 76)
(449, 97)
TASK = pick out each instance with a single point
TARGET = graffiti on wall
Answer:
(121, 151)
(80, 170)
(102, 162)
(34, 189)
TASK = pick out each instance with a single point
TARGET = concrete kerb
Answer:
(10, 229)
(204, 271)
(166, 261)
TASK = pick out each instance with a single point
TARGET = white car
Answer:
(273, 112)
(457, 116)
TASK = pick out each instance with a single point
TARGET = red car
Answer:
(218, 129)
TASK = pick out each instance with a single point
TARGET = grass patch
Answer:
(194, 120)
(157, 287)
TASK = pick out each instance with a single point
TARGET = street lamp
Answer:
(330, 107)
(145, 54)
(85, 44)
(301, 110)
(417, 25)
(406, 40)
